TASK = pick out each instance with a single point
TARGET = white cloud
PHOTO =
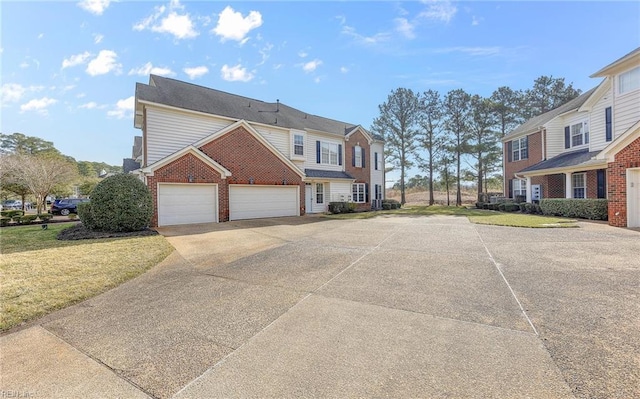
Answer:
(302, 54)
(438, 10)
(97, 38)
(40, 36)
(311, 65)
(24, 65)
(76, 59)
(317, 79)
(265, 52)
(344, 69)
(96, 7)
(148, 69)
(235, 73)
(475, 21)
(233, 26)
(124, 108)
(473, 51)
(104, 63)
(89, 105)
(39, 105)
(405, 28)
(180, 25)
(11, 92)
(365, 40)
(196, 72)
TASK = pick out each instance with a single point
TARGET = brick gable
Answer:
(627, 158)
(362, 175)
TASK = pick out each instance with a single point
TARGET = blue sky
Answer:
(69, 68)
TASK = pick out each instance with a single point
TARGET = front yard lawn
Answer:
(478, 216)
(39, 274)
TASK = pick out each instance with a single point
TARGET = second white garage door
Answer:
(252, 202)
(187, 203)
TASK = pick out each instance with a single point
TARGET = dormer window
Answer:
(579, 134)
(298, 144)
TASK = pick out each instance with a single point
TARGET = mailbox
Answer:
(536, 192)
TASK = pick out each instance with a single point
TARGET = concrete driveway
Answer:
(431, 307)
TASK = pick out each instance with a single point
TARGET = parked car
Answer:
(66, 206)
(11, 204)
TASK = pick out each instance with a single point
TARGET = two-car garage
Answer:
(198, 203)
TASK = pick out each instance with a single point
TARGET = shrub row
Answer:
(20, 218)
(523, 207)
(12, 213)
(342, 207)
(389, 204)
(593, 209)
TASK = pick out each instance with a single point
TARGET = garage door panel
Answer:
(251, 202)
(187, 203)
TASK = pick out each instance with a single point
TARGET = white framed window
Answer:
(328, 153)
(357, 156)
(358, 194)
(319, 193)
(629, 81)
(579, 185)
(519, 187)
(520, 149)
(298, 144)
(579, 134)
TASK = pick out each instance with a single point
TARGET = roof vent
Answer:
(277, 106)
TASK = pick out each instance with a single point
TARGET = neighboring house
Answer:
(133, 163)
(586, 148)
(211, 156)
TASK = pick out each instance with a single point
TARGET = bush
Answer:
(509, 207)
(26, 219)
(522, 206)
(386, 206)
(12, 213)
(342, 207)
(4, 221)
(479, 205)
(594, 209)
(118, 203)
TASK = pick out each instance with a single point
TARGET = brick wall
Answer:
(627, 158)
(247, 158)
(362, 175)
(534, 156)
(179, 171)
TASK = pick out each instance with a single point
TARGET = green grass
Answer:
(475, 216)
(40, 274)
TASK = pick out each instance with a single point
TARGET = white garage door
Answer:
(252, 202)
(187, 203)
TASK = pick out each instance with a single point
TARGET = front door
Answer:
(308, 197)
(633, 197)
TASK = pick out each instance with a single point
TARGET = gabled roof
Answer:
(188, 96)
(224, 172)
(619, 64)
(534, 124)
(327, 174)
(565, 160)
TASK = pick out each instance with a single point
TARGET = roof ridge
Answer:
(208, 88)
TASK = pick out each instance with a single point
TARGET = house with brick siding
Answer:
(212, 156)
(586, 148)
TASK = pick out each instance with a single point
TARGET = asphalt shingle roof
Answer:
(185, 95)
(563, 160)
(534, 123)
(327, 174)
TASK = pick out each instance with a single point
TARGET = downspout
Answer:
(544, 141)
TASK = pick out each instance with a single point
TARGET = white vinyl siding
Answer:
(256, 201)
(626, 112)
(377, 176)
(187, 203)
(555, 137)
(597, 138)
(169, 131)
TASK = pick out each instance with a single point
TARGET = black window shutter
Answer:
(353, 156)
(339, 154)
(602, 183)
(363, 165)
(525, 153)
(567, 137)
(375, 164)
(607, 123)
(317, 152)
(510, 194)
(510, 151)
(366, 192)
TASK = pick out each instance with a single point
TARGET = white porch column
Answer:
(567, 186)
(528, 189)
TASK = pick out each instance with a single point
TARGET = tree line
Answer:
(33, 166)
(437, 132)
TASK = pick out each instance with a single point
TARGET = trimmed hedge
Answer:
(593, 209)
(4, 221)
(26, 219)
(12, 213)
(392, 204)
(118, 203)
(45, 217)
(342, 207)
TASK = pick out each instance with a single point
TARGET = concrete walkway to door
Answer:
(386, 307)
